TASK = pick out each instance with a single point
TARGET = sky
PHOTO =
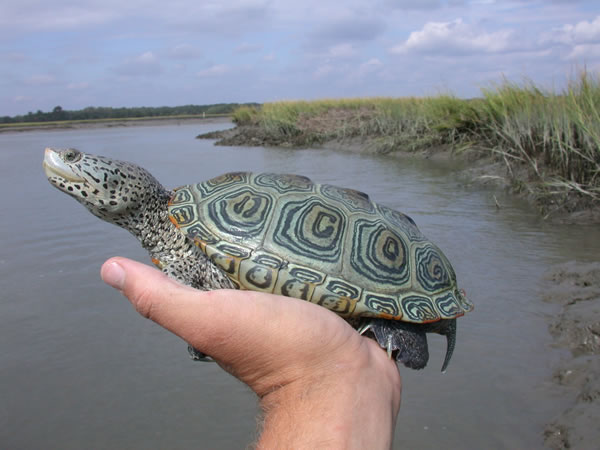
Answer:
(75, 54)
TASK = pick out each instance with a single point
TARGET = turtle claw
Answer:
(404, 341)
(364, 328)
(369, 326)
(390, 346)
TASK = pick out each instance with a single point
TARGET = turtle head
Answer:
(112, 190)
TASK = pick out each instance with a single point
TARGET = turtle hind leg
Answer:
(445, 327)
(407, 341)
(197, 355)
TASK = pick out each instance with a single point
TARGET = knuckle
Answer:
(143, 302)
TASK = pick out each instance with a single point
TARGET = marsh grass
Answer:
(554, 136)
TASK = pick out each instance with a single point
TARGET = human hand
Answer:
(319, 383)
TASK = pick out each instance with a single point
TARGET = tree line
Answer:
(92, 112)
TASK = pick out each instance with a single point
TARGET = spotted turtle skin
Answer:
(284, 234)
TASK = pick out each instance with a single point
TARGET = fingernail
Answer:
(113, 275)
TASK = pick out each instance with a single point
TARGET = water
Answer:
(79, 368)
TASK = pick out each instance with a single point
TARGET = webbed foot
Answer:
(197, 355)
(408, 341)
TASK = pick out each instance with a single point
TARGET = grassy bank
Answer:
(549, 141)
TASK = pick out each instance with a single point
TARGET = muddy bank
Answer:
(246, 136)
(479, 168)
(576, 288)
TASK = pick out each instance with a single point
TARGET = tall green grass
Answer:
(555, 135)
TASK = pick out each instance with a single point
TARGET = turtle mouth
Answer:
(54, 166)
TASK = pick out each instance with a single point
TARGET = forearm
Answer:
(351, 408)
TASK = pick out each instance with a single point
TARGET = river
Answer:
(80, 369)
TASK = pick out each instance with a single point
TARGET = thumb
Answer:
(148, 290)
(263, 339)
(180, 309)
(206, 318)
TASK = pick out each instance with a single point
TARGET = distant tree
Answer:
(95, 112)
(58, 114)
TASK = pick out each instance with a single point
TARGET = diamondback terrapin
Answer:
(281, 234)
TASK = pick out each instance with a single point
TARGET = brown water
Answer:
(80, 369)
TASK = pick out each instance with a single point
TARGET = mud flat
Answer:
(576, 288)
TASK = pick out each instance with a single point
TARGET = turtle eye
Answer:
(71, 155)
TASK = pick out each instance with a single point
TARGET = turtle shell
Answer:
(332, 246)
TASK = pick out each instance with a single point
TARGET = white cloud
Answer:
(454, 37)
(21, 99)
(583, 32)
(214, 71)
(368, 68)
(420, 4)
(78, 86)
(247, 48)
(584, 52)
(342, 51)
(146, 58)
(323, 71)
(184, 51)
(145, 64)
(14, 57)
(205, 15)
(45, 16)
(332, 24)
(40, 80)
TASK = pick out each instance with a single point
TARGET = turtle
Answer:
(282, 234)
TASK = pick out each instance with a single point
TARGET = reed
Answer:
(556, 135)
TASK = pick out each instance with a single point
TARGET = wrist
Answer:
(348, 404)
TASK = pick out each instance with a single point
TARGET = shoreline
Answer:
(574, 286)
(109, 123)
(483, 169)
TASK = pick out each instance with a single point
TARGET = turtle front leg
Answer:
(407, 340)
(193, 268)
(181, 272)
